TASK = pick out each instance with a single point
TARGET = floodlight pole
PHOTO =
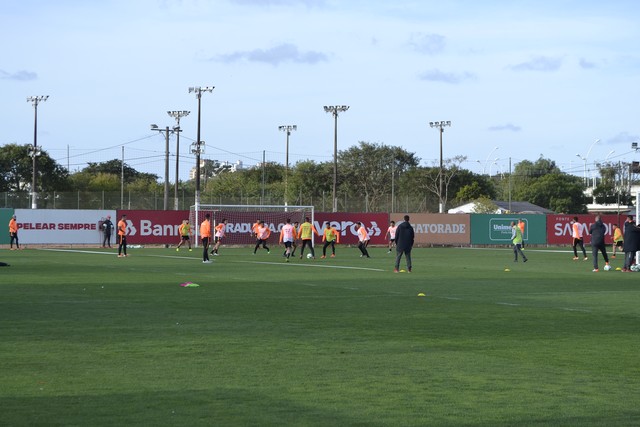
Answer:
(177, 115)
(287, 129)
(335, 110)
(440, 125)
(34, 151)
(198, 91)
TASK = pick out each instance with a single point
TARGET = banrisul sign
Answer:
(496, 229)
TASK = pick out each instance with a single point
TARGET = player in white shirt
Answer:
(288, 235)
(391, 232)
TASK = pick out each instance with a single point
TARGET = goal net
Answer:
(240, 219)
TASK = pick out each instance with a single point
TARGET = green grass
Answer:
(90, 339)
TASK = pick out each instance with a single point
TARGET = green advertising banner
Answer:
(5, 216)
(495, 229)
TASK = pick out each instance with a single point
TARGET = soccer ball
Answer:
(309, 256)
(607, 267)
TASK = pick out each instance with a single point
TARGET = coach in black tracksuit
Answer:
(597, 231)
(631, 242)
(404, 243)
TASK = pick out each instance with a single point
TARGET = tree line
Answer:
(372, 172)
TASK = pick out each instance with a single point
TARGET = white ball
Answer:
(607, 267)
(309, 256)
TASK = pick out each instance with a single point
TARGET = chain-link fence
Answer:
(155, 201)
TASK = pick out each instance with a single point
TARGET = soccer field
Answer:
(87, 338)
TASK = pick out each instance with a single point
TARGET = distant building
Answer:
(504, 208)
(212, 168)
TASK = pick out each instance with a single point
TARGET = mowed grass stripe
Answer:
(92, 340)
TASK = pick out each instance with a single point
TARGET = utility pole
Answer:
(335, 110)
(34, 151)
(166, 131)
(177, 115)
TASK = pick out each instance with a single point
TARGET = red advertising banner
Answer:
(161, 227)
(559, 229)
(345, 223)
(153, 227)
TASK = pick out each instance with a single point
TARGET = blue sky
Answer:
(529, 77)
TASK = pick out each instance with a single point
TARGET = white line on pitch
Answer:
(309, 265)
(507, 303)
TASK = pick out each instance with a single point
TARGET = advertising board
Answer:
(61, 226)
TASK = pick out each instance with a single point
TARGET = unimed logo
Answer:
(500, 229)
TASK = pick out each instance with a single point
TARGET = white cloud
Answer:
(21, 75)
(436, 75)
(276, 55)
(429, 44)
(507, 127)
(586, 64)
(539, 63)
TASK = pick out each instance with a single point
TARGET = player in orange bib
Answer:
(122, 237)
(205, 235)
(262, 234)
(221, 230)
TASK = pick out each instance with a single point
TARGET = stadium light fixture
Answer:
(287, 129)
(584, 159)
(486, 162)
(34, 150)
(198, 91)
(335, 110)
(177, 114)
(441, 125)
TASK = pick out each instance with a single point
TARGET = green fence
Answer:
(496, 229)
(5, 216)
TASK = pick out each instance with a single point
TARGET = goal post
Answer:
(240, 219)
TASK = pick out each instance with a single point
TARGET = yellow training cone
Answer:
(421, 294)
(506, 269)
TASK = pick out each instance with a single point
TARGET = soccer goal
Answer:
(240, 219)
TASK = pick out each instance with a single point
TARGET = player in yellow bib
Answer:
(185, 234)
(330, 236)
(305, 233)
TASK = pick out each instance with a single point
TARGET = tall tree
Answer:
(614, 186)
(429, 179)
(544, 184)
(367, 168)
(16, 169)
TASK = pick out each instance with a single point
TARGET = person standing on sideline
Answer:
(305, 233)
(391, 232)
(107, 227)
(363, 240)
(404, 236)
(618, 239)
(576, 234)
(330, 236)
(122, 237)
(631, 242)
(287, 237)
(221, 230)
(262, 234)
(205, 235)
(516, 239)
(597, 231)
(13, 233)
(185, 234)
(521, 226)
